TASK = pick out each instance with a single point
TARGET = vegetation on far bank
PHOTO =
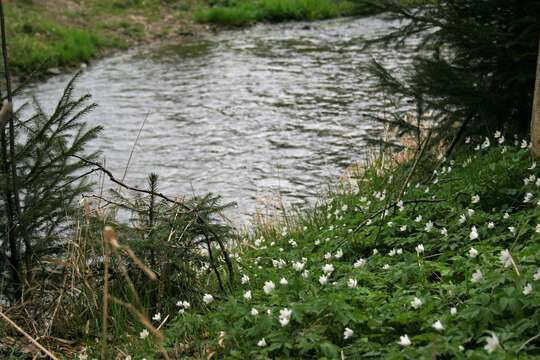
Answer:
(245, 12)
(451, 269)
(49, 34)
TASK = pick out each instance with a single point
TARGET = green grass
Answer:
(245, 12)
(41, 36)
(438, 213)
(36, 42)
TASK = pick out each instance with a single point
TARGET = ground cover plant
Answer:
(449, 270)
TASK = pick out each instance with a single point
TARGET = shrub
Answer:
(475, 64)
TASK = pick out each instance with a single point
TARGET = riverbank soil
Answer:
(47, 35)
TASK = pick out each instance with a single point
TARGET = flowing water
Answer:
(261, 116)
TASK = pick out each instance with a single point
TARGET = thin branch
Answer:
(26, 335)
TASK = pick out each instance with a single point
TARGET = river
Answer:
(266, 115)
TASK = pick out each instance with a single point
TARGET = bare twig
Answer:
(108, 234)
(26, 335)
(413, 168)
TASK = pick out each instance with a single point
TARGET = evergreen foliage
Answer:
(476, 62)
(50, 180)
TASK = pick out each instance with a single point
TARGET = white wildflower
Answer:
(352, 283)
(244, 279)
(261, 343)
(298, 266)
(418, 218)
(527, 289)
(144, 334)
(247, 295)
(359, 263)
(429, 226)
(491, 225)
(416, 303)
(453, 311)
(323, 279)
(283, 281)
(268, 287)
(474, 233)
(473, 253)
(207, 298)
(328, 268)
(528, 197)
(492, 343)
(419, 249)
(254, 312)
(348, 333)
(183, 304)
(404, 341)
(536, 275)
(284, 316)
(444, 232)
(475, 199)
(437, 325)
(157, 317)
(506, 258)
(477, 276)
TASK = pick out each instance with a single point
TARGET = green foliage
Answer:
(439, 212)
(49, 179)
(181, 241)
(476, 60)
(247, 12)
(36, 43)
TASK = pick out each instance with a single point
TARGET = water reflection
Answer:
(266, 112)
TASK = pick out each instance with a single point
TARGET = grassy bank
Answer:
(58, 33)
(246, 12)
(243, 12)
(450, 271)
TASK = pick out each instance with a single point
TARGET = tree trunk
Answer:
(535, 121)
